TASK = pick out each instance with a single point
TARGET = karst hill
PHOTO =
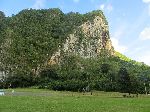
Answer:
(51, 49)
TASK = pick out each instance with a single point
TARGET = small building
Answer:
(2, 92)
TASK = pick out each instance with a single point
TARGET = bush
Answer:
(68, 85)
(19, 81)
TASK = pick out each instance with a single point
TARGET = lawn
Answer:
(35, 100)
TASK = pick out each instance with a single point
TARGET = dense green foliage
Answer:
(29, 39)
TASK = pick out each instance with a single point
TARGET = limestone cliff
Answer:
(87, 40)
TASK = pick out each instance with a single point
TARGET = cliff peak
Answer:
(88, 39)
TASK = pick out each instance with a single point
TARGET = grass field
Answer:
(34, 100)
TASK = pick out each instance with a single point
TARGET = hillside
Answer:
(38, 37)
(47, 48)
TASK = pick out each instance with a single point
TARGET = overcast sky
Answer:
(129, 20)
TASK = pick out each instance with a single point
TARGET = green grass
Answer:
(34, 100)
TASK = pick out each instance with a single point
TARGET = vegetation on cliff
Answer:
(30, 39)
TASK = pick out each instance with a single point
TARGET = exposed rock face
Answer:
(87, 41)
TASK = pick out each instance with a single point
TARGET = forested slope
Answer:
(49, 49)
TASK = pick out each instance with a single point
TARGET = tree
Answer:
(105, 68)
(2, 15)
(124, 80)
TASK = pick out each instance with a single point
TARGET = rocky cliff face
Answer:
(87, 40)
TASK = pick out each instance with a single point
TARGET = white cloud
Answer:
(146, 1)
(118, 33)
(118, 46)
(106, 7)
(109, 8)
(39, 4)
(102, 6)
(76, 1)
(145, 57)
(145, 34)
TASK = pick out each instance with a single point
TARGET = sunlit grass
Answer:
(35, 100)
